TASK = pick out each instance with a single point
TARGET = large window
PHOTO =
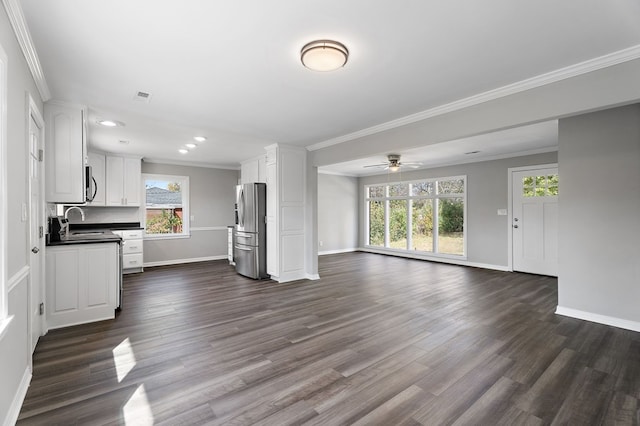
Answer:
(422, 216)
(166, 201)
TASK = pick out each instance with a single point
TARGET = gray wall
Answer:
(599, 206)
(337, 212)
(487, 191)
(14, 353)
(211, 199)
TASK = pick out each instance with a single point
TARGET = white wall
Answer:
(211, 199)
(14, 344)
(487, 191)
(337, 213)
(599, 220)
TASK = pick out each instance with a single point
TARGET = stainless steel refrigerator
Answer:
(250, 246)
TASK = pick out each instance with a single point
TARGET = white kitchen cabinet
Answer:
(253, 170)
(65, 150)
(97, 163)
(123, 176)
(286, 177)
(132, 250)
(82, 283)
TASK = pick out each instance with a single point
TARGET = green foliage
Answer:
(451, 217)
(376, 223)
(397, 220)
(164, 223)
(422, 217)
(173, 186)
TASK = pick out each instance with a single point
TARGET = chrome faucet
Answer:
(66, 213)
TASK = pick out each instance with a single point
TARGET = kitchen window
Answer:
(425, 216)
(166, 206)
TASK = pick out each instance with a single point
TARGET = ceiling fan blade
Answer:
(412, 165)
(376, 165)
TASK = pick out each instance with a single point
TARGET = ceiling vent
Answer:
(142, 97)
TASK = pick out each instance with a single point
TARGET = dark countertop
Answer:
(109, 225)
(86, 237)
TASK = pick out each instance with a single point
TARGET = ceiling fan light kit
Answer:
(324, 55)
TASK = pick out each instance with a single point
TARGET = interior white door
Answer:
(535, 221)
(36, 232)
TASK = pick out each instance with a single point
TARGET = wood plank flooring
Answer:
(378, 340)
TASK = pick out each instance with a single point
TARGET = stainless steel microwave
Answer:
(91, 184)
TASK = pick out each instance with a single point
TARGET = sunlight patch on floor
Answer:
(123, 359)
(137, 410)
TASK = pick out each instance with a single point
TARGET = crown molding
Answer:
(611, 59)
(16, 17)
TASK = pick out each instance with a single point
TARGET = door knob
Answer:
(35, 250)
(515, 226)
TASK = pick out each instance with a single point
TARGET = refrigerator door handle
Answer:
(241, 207)
(243, 249)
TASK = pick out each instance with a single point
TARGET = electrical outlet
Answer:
(24, 212)
(192, 218)
(502, 212)
(320, 243)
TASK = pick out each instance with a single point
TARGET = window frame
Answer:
(184, 189)
(435, 198)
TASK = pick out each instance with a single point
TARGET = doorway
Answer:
(534, 219)
(36, 225)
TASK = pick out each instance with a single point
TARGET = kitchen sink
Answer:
(87, 233)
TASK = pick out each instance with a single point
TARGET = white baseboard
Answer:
(600, 319)
(18, 399)
(448, 260)
(313, 277)
(349, 250)
(181, 261)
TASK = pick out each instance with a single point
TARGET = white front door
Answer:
(535, 220)
(36, 232)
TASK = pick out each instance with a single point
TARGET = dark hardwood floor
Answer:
(378, 340)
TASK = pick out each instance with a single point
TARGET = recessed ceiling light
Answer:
(124, 142)
(190, 145)
(200, 138)
(324, 55)
(183, 151)
(110, 123)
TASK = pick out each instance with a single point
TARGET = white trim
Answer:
(4, 325)
(182, 261)
(186, 204)
(510, 172)
(17, 278)
(434, 258)
(597, 318)
(21, 30)
(187, 163)
(349, 250)
(210, 228)
(608, 60)
(4, 212)
(313, 277)
(14, 409)
(331, 172)
(292, 276)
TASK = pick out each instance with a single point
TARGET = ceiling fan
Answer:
(393, 164)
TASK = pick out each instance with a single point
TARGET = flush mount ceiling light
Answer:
(324, 55)
(110, 123)
(199, 138)
(183, 151)
(190, 145)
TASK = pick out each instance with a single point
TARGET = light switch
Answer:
(192, 218)
(24, 212)
(502, 212)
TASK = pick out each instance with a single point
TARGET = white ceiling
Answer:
(230, 70)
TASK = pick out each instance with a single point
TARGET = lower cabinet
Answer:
(132, 250)
(82, 283)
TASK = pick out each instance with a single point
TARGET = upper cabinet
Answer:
(97, 163)
(253, 170)
(65, 149)
(123, 176)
